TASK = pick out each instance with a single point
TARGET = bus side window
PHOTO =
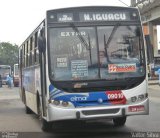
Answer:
(30, 51)
(36, 52)
(23, 56)
(27, 54)
(33, 47)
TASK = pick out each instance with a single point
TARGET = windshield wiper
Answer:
(83, 41)
(107, 43)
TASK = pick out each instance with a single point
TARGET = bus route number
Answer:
(115, 96)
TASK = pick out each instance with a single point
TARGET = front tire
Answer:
(120, 121)
(28, 110)
(45, 126)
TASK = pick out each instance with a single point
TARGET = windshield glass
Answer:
(4, 71)
(73, 53)
(121, 52)
(104, 52)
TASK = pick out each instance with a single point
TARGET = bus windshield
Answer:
(4, 71)
(103, 52)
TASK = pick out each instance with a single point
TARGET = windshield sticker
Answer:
(61, 62)
(79, 68)
(117, 68)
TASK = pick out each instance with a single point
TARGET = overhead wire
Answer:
(123, 3)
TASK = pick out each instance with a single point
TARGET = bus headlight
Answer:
(138, 98)
(55, 102)
(61, 103)
(133, 99)
(65, 104)
(141, 97)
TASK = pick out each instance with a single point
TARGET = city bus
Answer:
(15, 75)
(85, 63)
(156, 65)
(4, 71)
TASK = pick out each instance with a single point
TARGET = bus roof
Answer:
(93, 7)
(76, 9)
(93, 14)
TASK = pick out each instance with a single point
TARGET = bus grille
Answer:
(104, 111)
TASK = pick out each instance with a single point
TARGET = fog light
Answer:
(133, 99)
(65, 104)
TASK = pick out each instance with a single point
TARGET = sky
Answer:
(18, 18)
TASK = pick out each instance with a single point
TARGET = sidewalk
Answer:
(155, 87)
(153, 82)
(9, 93)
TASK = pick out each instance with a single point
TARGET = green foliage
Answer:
(8, 54)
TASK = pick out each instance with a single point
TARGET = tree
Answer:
(8, 54)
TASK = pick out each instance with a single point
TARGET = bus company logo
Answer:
(78, 98)
(100, 100)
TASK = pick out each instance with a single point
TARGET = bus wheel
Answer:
(120, 121)
(28, 110)
(45, 126)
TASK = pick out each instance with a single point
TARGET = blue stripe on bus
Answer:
(83, 99)
(56, 94)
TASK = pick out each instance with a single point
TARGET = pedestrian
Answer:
(9, 81)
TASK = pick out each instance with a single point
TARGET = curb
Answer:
(156, 83)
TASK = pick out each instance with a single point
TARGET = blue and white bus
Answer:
(85, 63)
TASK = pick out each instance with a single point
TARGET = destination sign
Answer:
(104, 16)
(65, 17)
(92, 16)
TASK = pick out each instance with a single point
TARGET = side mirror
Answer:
(41, 40)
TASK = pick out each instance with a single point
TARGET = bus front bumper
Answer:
(98, 112)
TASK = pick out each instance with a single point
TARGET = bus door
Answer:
(20, 67)
(42, 58)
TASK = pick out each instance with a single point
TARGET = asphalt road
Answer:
(15, 123)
